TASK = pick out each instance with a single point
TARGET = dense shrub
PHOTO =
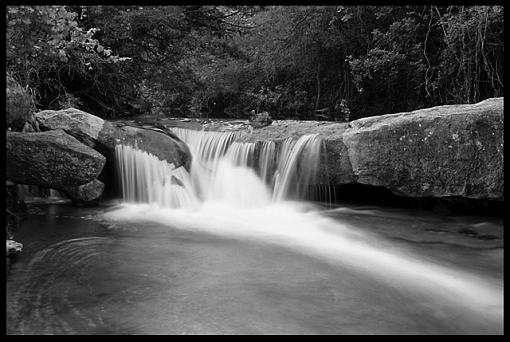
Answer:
(19, 104)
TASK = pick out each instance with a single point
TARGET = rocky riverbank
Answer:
(74, 152)
(445, 151)
(452, 152)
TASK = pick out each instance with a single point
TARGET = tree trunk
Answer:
(317, 102)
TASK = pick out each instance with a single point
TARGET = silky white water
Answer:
(222, 170)
(231, 193)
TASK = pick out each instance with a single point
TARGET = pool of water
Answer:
(102, 271)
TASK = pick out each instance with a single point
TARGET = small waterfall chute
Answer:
(297, 167)
(222, 170)
(147, 179)
(267, 160)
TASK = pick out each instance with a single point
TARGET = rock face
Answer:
(71, 120)
(156, 142)
(86, 194)
(445, 151)
(454, 150)
(51, 159)
(103, 135)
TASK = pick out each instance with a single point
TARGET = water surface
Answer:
(85, 272)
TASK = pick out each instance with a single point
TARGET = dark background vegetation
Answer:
(299, 62)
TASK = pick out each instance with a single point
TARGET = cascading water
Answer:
(297, 165)
(222, 171)
(145, 178)
(235, 192)
(266, 160)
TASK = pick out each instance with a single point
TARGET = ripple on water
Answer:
(49, 298)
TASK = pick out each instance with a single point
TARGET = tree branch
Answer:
(425, 54)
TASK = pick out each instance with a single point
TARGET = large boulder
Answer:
(104, 135)
(51, 159)
(82, 125)
(454, 150)
(157, 142)
(444, 151)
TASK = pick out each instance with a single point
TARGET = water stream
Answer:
(231, 247)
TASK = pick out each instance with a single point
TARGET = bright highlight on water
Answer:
(222, 170)
(248, 191)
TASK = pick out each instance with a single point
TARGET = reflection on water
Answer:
(142, 270)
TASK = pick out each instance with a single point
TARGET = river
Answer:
(140, 269)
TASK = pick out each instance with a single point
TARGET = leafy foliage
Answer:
(304, 62)
(19, 104)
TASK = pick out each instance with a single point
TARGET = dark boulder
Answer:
(51, 159)
(87, 194)
(104, 135)
(156, 142)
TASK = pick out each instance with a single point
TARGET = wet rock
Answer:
(87, 194)
(51, 159)
(158, 143)
(454, 151)
(12, 247)
(104, 135)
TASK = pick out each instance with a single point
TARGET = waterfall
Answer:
(266, 160)
(147, 179)
(297, 166)
(222, 170)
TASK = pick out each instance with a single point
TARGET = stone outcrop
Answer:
(51, 159)
(104, 135)
(444, 151)
(156, 142)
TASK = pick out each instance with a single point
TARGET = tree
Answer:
(46, 47)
